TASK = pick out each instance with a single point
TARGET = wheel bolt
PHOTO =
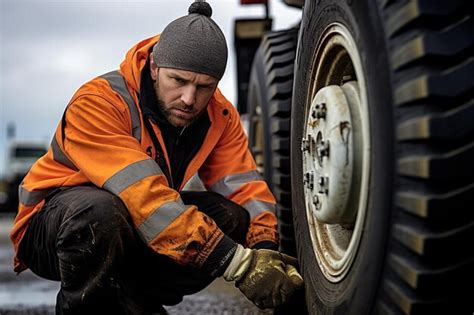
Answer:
(323, 149)
(323, 183)
(308, 180)
(305, 144)
(316, 202)
(319, 111)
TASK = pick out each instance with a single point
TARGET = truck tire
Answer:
(269, 100)
(382, 151)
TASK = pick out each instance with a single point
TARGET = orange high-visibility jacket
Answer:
(102, 140)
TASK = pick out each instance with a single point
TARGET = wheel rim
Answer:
(336, 152)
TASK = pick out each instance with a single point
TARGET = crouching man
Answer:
(104, 211)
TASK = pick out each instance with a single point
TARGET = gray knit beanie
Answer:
(193, 42)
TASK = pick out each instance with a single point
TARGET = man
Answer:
(104, 211)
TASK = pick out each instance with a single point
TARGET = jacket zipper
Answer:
(159, 151)
(176, 143)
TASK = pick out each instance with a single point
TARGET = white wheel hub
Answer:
(328, 154)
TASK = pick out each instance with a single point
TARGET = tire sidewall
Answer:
(354, 294)
(258, 95)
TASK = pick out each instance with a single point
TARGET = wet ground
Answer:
(29, 294)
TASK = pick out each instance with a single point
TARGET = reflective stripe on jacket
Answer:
(102, 140)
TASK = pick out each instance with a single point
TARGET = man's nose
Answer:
(188, 97)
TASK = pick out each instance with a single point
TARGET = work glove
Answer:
(267, 278)
(266, 245)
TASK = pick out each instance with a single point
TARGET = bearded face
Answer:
(182, 96)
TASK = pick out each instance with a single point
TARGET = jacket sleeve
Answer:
(96, 140)
(230, 170)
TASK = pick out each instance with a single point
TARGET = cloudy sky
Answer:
(49, 48)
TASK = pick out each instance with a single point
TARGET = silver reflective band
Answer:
(131, 175)
(256, 207)
(230, 183)
(32, 198)
(160, 219)
(117, 82)
(59, 156)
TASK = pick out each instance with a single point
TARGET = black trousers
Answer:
(84, 237)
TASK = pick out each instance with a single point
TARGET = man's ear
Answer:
(153, 68)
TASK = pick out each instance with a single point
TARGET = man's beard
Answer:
(166, 110)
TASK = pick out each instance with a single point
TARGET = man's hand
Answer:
(268, 278)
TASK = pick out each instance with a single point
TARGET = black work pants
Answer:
(84, 237)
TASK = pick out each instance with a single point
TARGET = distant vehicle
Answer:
(21, 155)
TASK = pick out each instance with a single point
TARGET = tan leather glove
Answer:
(267, 278)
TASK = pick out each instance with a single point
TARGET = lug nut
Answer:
(305, 145)
(308, 180)
(323, 183)
(319, 111)
(316, 202)
(323, 149)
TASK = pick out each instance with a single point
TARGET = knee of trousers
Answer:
(94, 220)
(241, 222)
(231, 218)
(239, 217)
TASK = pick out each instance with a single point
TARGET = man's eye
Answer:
(204, 87)
(179, 80)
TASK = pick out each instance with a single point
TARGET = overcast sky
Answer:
(49, 48)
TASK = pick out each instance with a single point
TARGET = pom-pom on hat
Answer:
(193, 42)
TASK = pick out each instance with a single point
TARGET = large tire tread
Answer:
(432, 207)
(450, 165)
(427, 279)
(432, 68)
(422, 189)
(450, 125)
